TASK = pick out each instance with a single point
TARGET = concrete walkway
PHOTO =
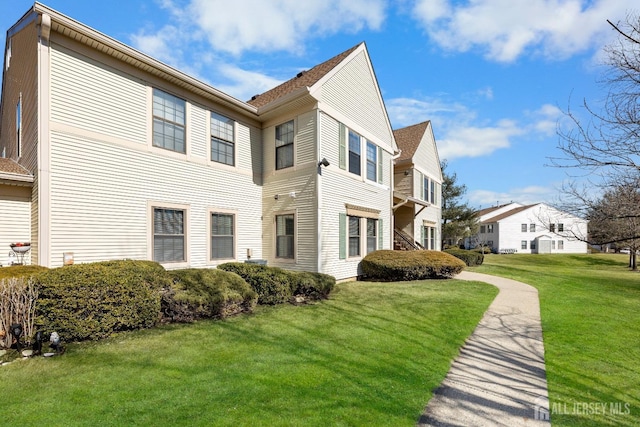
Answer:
(499, 378)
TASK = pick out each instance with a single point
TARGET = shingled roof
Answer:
(508, 213)
(9, 166)
(408, 139)
(486, 211)
(303, 79)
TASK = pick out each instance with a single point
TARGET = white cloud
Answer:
(473, 141)
(243, 84)
(504, 30)
(526, 195)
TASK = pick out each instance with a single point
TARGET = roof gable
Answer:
(409, 138)
(418, 146)
(509, 213)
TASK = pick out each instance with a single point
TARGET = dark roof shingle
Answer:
(11, 166)
(408, 139)
(508, 213)
(303, 79)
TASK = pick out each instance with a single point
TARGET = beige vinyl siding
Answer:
(339, 188)
(199, 130)
(299, 179)
(353, 92)
(91, 95)
(426, 156)
(100, 194)
(404, 183)
(15, 211)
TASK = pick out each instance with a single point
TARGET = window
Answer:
(552, 228)
(354, 153)
(490, 243)
(533, 244)
(372, 234)
(168, 235)
(560, 228)
(483, 229)
(354, 236)
(222, 230)
(372, 161)
(222, 139)
(532, 228)
(425, 188)
(560, 244)
(523, 227)
(168, 121)
(19, 127)
(553, 244)
(284, 145)
(432, 238)
(433, 192)
(523, 244)
(490, 228)
(285, 234)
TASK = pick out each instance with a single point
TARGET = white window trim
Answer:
(151, 205)
(235, 142)
(295, 144)
(211, 211)
(187, 126)
(293, 260)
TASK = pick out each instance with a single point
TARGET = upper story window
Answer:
(19, 127)
(222, 139)
(532, 228)
(560, 228)
(372, 161)
(425, 188)
(432, 192)
(169, 114)
(552, 228)
(523, 228)
(483, 229)
(354, 153)
(284, 145)
(490, 228)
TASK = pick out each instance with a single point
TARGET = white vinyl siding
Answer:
(15, 211)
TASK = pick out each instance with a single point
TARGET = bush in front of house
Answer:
(206, 293)
(91, 301)
(275, 285)
(20, 271)
(388, 265)
(470, 258)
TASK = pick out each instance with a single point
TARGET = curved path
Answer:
(499, 378)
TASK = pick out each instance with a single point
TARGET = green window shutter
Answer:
(342, 155)
(380, 155)
(342, 231)
(380, 234)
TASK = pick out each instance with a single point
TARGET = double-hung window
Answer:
(222, 236)
(372, 161)
(372, 234)
(168, 235)
(354, 153)
(523, 244)
(222, 139)
(433, 192)
(490, 228)
(169, 114)
(284, 145)
(285, 236)
(532, 228)
(523, 228)
(560, 228)
(354, 236)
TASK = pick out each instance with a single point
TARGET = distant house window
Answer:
(372, 161)
(490, 243)
(552, 228)
(560, 244)
(372, 234)
(222, 231)
(533, 244)
(532, 228)
(222, 139)
(168, 235)
(523, 227)
(523, 244)
(483, 229)
(168, 121)
(285, 236)
(19, 127)
(553, 244)
(560, 228)
(354, 153)
(354, 236)
(284, 145)
(490, 228)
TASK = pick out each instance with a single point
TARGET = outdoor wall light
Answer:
(324, 162)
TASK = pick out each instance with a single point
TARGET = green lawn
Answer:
(590, 307)
(371, 355)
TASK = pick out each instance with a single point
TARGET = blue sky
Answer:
(493, 76)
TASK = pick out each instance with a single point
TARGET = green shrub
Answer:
(20, 271)
(91, 301)
(206, 293)
(470, 258)
(275, 285)
(272, 284)
(388, 265)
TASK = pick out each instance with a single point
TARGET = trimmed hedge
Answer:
(470, 258)
(20, 271)
(91, 301)
(388, 265)
(275, 285)
(206, 293)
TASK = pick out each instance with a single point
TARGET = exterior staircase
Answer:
(404, 242)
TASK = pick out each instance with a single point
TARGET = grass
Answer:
(371, 355)
(590, 308)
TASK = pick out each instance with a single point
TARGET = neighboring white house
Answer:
(536, 228)
(417, 196)
(112, 154)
